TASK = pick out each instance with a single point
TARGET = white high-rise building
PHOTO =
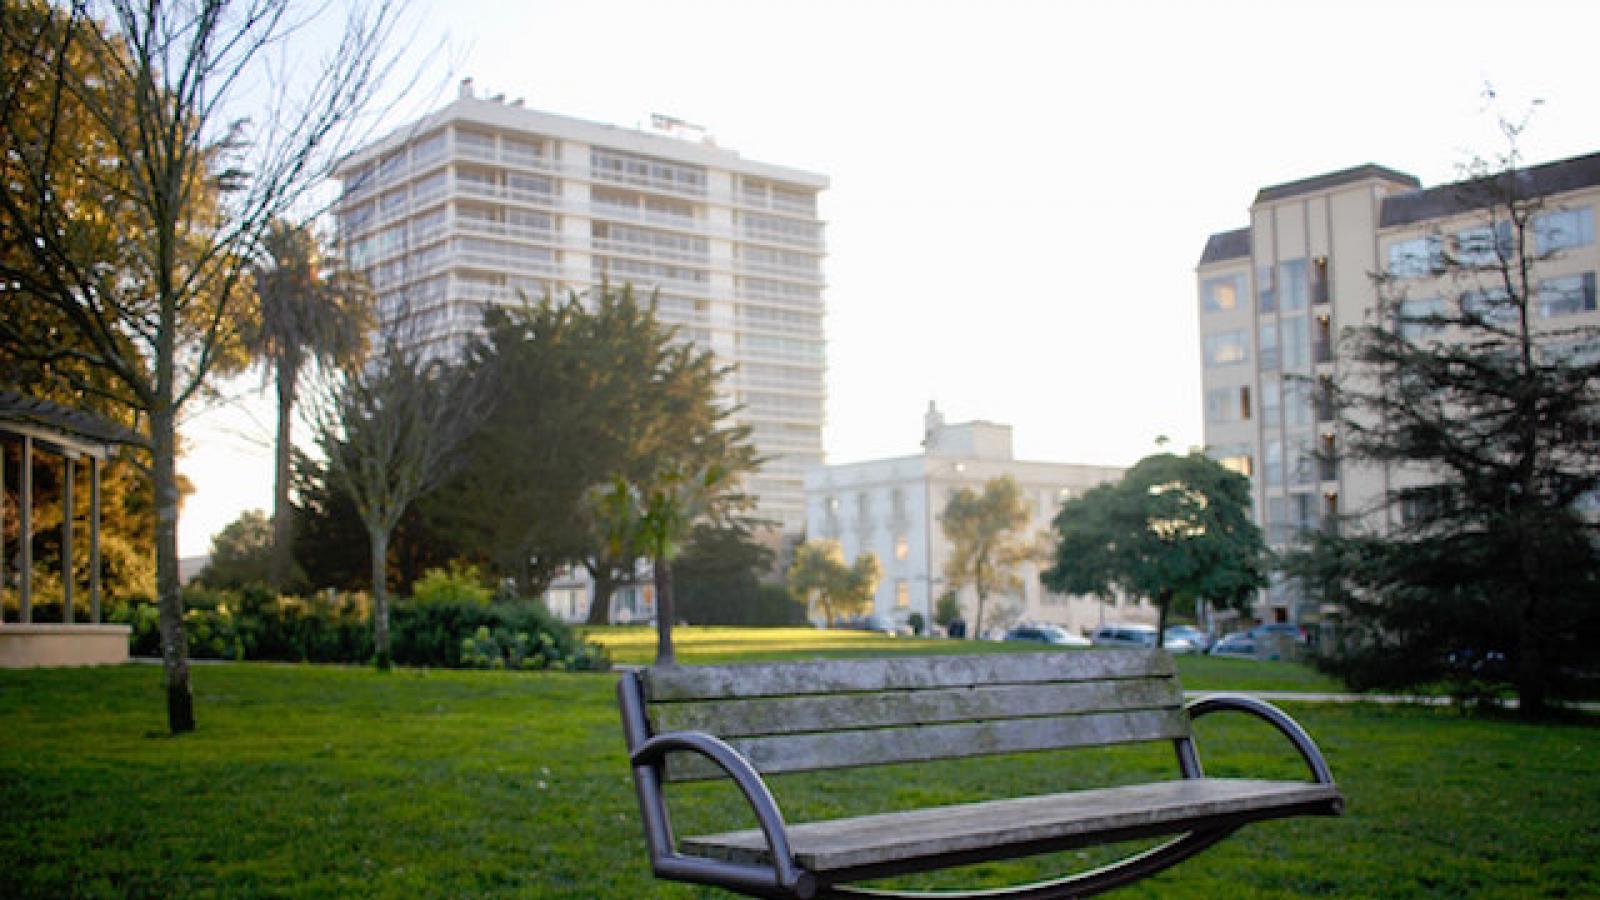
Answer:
(485, 201)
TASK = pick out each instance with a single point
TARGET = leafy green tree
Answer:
(390, 429)
(987, 542)
(717, 580)
(133, 192)
(241, 553)
(308, 310)
(820, 575)
(1485, 566)
(654, 519)
(590, 389)
(1176, 529)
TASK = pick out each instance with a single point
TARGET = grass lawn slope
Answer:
(307, 781)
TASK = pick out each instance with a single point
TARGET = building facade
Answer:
(1274, 297)
(485, 202)
(890, 507)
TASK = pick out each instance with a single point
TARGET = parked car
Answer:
(1285, 629)
(1240, 643)
(1198, 640)
(1135, 636)
(1053, 635)
(876, 622)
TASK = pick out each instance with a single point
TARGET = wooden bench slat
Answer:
(675, 683)
(1067, 820)
(842, 749)
(791, 715)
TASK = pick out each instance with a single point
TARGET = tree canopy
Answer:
(591, 388)
(987, 541)
(820, 574)
(1175, 529)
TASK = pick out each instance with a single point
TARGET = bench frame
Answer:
(784, 878)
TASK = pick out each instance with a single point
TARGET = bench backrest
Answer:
(795, 717)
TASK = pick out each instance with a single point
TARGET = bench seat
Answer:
(925, 839)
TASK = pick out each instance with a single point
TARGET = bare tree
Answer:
(390, 430)
(135, 190)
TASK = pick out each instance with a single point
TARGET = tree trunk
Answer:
(174, 643)
(977, 622)
(1532, 693)
(600, 606)
(380, 598)
(664, 613)
(281, 559)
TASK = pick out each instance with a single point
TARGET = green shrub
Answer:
(518, 634)
(460, 583)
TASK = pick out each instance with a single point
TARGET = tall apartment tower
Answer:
(485, 201)
(1275, 295)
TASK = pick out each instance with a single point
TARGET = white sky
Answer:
(1020, 191)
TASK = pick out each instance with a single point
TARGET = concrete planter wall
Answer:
(35, 645)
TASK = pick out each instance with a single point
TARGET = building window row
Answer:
(645, 171)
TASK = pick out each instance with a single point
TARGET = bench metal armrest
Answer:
(768, 816)
(1277, 718)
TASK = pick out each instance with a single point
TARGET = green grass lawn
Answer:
(330, 782)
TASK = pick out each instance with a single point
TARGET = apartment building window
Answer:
(1226, 348)
(1274, 463)
(1319, 280)
(1420, 318)
(1222, 294)
(902, 548)
(1266, 295)
(1302, 462)
(1271, 357)
(1234, 458)
(902, 594)
(1485, 245)
(1296, 344)
(1271, 401)
(1563, 230)
(1296, 402)
(1228, 404)
(1416, 257)
(1567, 296)
(1292, 289)
(1492, 307)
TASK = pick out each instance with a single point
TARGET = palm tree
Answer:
(310, 309)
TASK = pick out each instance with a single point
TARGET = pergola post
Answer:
(25, 606)
(69, 468)
(94, 539)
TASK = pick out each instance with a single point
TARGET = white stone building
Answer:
(485, 201)
(890, 507)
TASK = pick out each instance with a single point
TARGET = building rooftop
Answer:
(1226, 245)
(1335, 179)
(1465, 196)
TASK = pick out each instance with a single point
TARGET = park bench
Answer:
(746, 722)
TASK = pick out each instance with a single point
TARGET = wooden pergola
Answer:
(43, 427)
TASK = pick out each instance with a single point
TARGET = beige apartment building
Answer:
(485, 201)
(1275, 295)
